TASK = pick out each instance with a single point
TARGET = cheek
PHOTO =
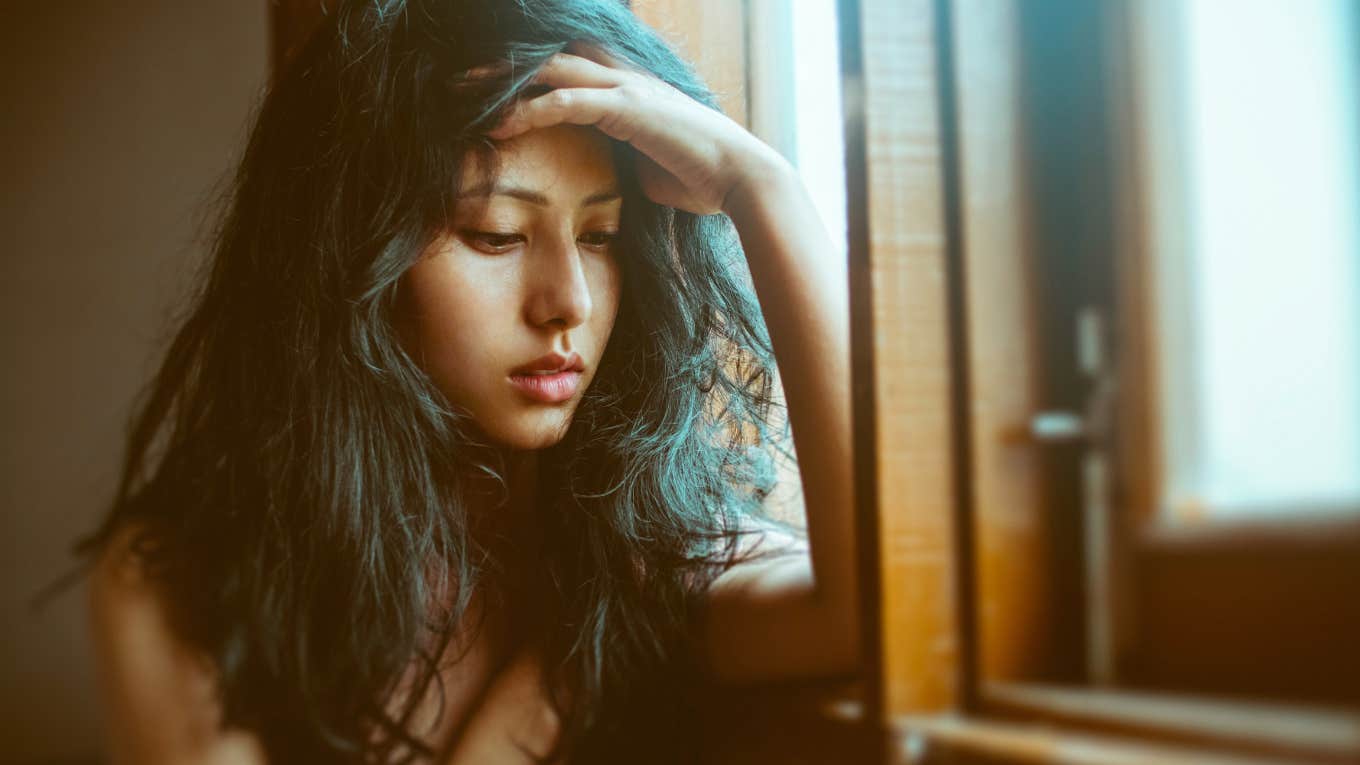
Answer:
(607, 296)
(451, 323)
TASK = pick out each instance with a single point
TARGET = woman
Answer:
(462, 453)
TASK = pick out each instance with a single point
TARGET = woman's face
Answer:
(525, 282)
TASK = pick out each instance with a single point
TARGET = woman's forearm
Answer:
(804, 297)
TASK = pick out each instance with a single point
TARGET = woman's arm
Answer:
(797, 615)
(157, 696)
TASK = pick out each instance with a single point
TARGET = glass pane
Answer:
(817, 98)
(1260, 311)
(796, 97)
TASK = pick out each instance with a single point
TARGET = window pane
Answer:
(796, 98)
(1261, 313)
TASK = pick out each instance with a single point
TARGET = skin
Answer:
(475, 316)
(516, 280)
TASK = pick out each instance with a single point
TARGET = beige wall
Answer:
(118, 119)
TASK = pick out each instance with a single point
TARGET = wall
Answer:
(119, 119)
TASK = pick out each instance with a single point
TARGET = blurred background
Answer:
(1188, 240)
(1105, 264)
(120, 122)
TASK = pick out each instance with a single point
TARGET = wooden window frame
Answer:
(1271, 560)
(1008, 719)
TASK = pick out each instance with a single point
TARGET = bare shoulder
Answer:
(157, 693)
(124, 600)
(118, 569)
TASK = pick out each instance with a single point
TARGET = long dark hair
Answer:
(301, 487)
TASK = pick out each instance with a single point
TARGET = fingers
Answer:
(589, 87)
(605, 108)
(593, 52)
(564, 70)
(587, 65)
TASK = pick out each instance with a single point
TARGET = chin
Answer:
(532, 431)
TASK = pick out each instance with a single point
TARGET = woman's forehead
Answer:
(561, 164)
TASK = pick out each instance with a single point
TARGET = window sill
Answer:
(1305, 733)
(822, 723)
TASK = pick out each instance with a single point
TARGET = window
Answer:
(1259, 305)
(796, 95)
(1110, 256)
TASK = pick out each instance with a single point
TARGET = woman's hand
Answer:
(691, 157)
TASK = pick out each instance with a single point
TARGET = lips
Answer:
(551, 379)
(551, 364)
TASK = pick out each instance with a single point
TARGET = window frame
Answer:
(1009, 720)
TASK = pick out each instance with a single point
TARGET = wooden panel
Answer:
(1013, 601)
(1136, 459)
(906, 276)
(712, 35)
(1274, 618)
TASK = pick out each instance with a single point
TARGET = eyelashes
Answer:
(496, 243)
(601, 239)
(490, 241)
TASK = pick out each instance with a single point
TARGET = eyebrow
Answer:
(534, 197)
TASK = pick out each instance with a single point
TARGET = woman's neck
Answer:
(521, 475)
(503, 504)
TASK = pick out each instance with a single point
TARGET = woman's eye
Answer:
(599, 239)
(491, 241)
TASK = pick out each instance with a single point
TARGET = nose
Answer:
(559, 290)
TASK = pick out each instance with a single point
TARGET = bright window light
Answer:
(796, 98)
(1265, 364)
(819, 137)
